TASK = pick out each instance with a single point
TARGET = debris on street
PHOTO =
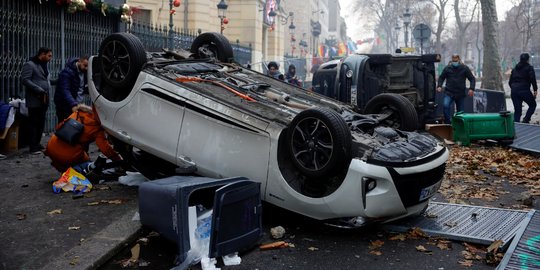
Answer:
(55, 212)
(274, 245)
(277, 232)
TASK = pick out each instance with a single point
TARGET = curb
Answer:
(101, 247)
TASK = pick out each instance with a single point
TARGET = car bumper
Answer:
(392, 197)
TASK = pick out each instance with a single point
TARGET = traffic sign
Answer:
(421, 32)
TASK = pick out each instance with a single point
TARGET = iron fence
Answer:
(156, 37)
(27, 25)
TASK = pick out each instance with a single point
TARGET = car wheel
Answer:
(147, 164)
(399, 111)
(122, 57)
(212, 45)
(319, 142)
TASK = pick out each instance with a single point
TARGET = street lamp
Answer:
(171, 24)
(397, 34)
(292, 27)
(407, 17)
(222, 9)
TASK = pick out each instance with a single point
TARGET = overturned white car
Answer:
(175, 110)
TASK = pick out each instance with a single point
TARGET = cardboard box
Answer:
(443, 131)
(10, 143)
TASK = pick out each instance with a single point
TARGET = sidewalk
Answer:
(86, 233)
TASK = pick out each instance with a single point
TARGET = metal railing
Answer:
(27, 25)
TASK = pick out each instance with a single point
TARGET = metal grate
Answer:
(475, 224)
(524, 252)
(527, 137)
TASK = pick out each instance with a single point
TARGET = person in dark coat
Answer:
(455, 91)
(273, 71)
(71, 87)
(35, 78)
(521, 79)
(291, 76)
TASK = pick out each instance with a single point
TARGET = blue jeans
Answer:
(447, 105)
(81, 167)
(518, 97)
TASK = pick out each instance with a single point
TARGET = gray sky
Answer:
(356, 30)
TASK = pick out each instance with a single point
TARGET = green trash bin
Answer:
(468, 127)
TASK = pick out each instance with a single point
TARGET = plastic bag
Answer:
(71, 180)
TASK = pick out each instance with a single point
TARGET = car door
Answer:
(151, 121)
(221, 146)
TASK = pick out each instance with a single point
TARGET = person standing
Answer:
(35, 78)
(291, 76)
(521, 79)
(455, 74)
(71, 87)
(273, 71)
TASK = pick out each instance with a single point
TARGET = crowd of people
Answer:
(71, 87)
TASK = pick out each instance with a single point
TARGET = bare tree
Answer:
(492, 76)
(440, 5)
(463, 22)
(525, 22)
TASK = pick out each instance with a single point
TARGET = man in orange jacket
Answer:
(64, 155)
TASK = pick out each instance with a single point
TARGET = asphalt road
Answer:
(317, 246)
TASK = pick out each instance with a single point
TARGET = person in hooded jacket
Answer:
(455, 74)
(521, 80)
(64, 155)
(273, 71)
(71, 87)
(291, 76)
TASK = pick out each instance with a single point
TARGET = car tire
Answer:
(403, 116)
(122, 57)
(212, 45)
(319, 142)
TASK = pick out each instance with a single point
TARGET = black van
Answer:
(401, 88)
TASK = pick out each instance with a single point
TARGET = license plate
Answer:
(429, 191)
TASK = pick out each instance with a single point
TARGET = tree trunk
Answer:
(492, 75)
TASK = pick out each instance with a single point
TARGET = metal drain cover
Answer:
(474, 224)
(524, 252)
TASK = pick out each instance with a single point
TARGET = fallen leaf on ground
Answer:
(422, 249)
(375, 252)
(75, 261)
(55, 212)
(74, 228)
(400, 237)
(21, 216)
(466, 263)
(134, 260)
(376, 244)
(118, 201)
(450, 224)
(494, 246)
(444, 245)
(313, 248)
(416, 233)
(92, 203)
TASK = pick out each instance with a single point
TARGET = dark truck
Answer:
(401, 88)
